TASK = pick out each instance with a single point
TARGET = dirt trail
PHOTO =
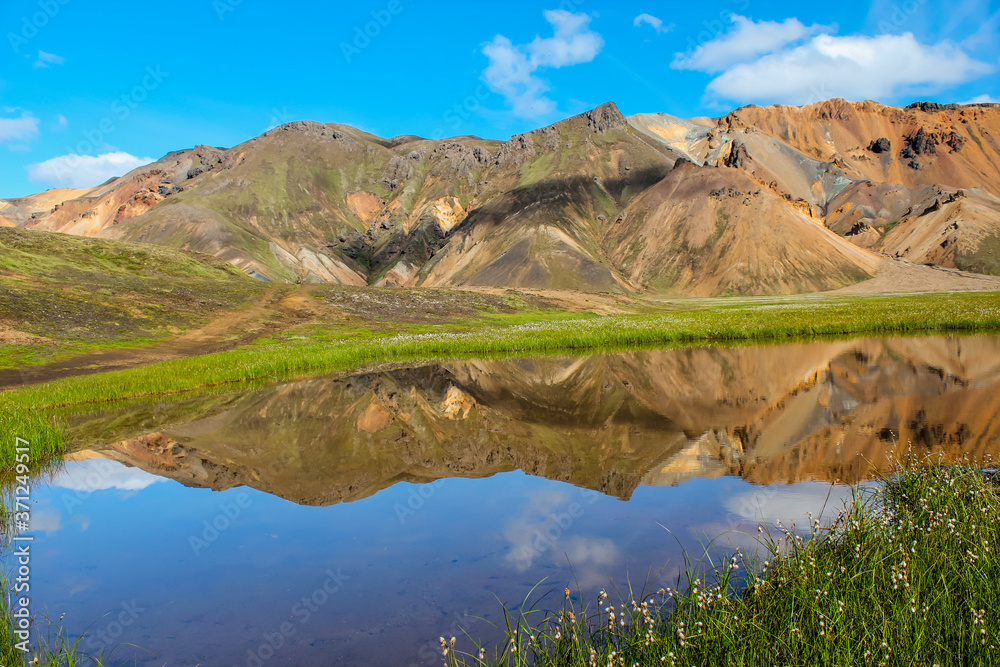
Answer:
(898, 275)
(276, 310)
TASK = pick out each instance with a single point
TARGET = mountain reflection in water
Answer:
(826, 410)
(410, 515)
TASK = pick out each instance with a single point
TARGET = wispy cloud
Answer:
(546, 532)
(986, 35)
(790, 63)
(653, 22)
(982, 99)
(46, 59)
(789, 504)
(84, 171)
(24, 128)
(101, 475)
(512, 68)
(746, 40)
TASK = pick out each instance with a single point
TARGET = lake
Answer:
(354, 520)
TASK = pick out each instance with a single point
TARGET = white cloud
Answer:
(61, 122)
(512, 68)
(92, 475)
(746, 40)
(769, 62)
(24, 128)
(46, 59)
(84, 171)
(511, 74)
(653, 22)
(982, 99)
(47, 520)
(790, 504)
(854, 68)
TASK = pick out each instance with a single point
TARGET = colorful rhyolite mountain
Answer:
(763, 200)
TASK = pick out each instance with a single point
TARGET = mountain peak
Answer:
(605, 117)
(586, 203)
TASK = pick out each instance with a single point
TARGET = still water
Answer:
(354, 520)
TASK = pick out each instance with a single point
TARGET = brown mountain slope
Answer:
(865, 168)
(586, 203)
(927, 144)
(710, 231)
(542, 216)
(19, 212)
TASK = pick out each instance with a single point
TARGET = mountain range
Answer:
(761, 200)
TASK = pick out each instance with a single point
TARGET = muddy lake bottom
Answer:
(355, 520)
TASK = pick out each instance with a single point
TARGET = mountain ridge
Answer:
(570, 205)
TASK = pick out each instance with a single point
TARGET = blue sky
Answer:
(89, 90)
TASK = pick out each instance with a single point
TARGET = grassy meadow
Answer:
(905, 576)
(69, 295)
(318, 351)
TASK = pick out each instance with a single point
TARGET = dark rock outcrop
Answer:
(921, 143)
(606, 117)
(880, 145)
(738, 156)
(933, 106)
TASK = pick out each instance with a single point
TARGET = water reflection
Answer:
(354, 520)
(805, 411)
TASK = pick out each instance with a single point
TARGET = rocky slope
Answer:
(762, 200)
(871, 173)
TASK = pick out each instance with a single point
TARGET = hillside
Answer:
(920, 183)
(762, 200)
(62, 295)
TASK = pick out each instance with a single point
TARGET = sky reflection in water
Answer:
(371, 569)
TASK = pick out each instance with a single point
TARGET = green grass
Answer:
(905, 576)
(745, 321)
(73, 295)
(17, 356)
(49, 646)
(27, 428)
